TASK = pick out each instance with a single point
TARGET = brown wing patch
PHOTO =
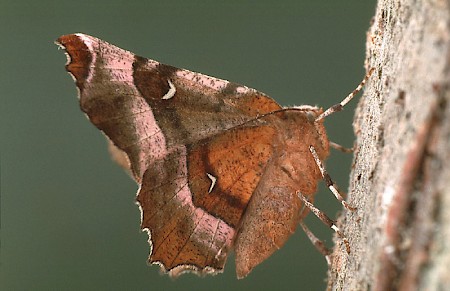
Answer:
(236, 160)
(104, 75)
(256, 104)
(183, 236)
(79, 58)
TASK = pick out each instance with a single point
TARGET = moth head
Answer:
(312, 113)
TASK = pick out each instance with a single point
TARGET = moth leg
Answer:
(320, 246)
(325, 219)
(330, 184)
(340, 148)
(338, 107)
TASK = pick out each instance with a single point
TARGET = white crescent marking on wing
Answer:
(171, 92)
(213, 181)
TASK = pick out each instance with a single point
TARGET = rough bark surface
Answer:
(400, 182)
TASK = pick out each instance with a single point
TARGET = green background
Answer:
(68, 218)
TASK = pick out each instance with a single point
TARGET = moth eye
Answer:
(311, 116)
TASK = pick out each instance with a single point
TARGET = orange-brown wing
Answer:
(275, 209)
(193, 199)
(270, 219)
(147, 108)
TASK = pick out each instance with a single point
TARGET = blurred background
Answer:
(68, 218)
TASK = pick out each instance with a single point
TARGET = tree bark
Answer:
(400, 181)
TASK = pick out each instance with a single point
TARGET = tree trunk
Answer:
(400, 182)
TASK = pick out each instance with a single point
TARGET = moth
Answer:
(220, 166)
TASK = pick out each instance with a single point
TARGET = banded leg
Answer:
(330, 184)
(325, 219)
(320, 246)
(338, 107)
(340, 148)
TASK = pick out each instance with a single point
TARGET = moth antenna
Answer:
(338, 107)
(330, 183)
(325, 219)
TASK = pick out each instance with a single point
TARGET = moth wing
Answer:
(271, 217)
(147, 108)
(193, 199)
